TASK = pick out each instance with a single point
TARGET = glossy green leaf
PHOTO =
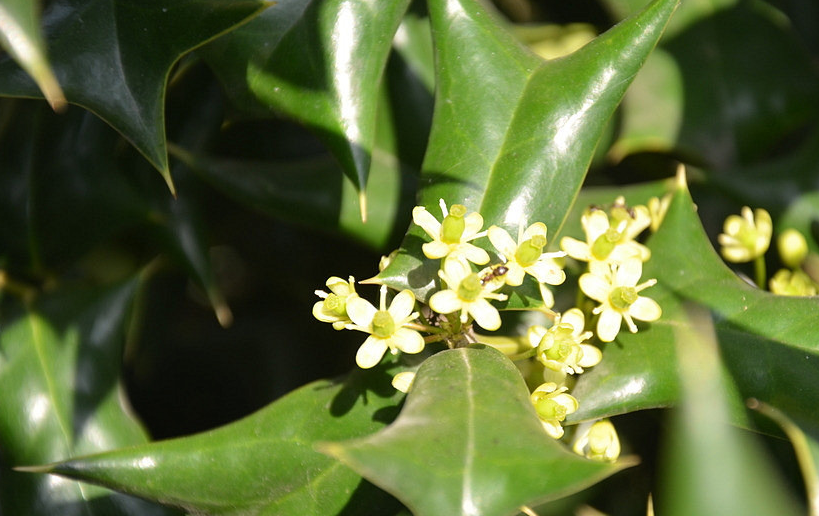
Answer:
(113, 57)
(468, 442)
(703, 95)
(61, 187)
(513, 135)
(328, 87)
(753, 327)
(62, 396)
(712, 468)
(264, 463)
(20, 35)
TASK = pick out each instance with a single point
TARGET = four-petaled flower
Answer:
(386, 327)
(615, 288)
(526, 255)
(452, 235)
(560, 348)
(747, 237)
(466, 293)
(552, 405)
(610, 241)
(333, 308)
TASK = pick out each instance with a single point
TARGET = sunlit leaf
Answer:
(468, 442)
(513, 135)
(264, 463)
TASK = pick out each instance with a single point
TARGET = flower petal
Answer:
(608, 326)
(595, 224)
(486, 316)
(575, 318)
(594, 286)
(402, 305)
(538, 228)
(473, 253)
(546, 270)
(435, 249)
(360, 311)
(553, 428)
(515, 274)
(403, 381)
(591, 356)
(472, 224)
(502, 242)
(628, 273)
(445, 302)
(576, 249)
(645, 309)
(371, 352)
(408, 341)
(428, 223)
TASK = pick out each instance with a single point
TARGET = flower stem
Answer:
(759, 271)
(529, 353)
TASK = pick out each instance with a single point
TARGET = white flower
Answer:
(333, 308)
(466, 294)
(597, 441)
(610, 241)
(385, 326)
(560, 348)
(451, 236)
(747, 237)
(552, 405)
(526, 256)
(615, 288)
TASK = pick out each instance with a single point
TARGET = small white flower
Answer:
(552, 405)
(561, 348)
(610, 241)
(452, 235)
(333, 308)
(385, 326)
(526, 256)
(615, 288)
(747, 237)
(466, 294)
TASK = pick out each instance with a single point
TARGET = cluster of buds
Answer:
(747, 237)
(471, 280)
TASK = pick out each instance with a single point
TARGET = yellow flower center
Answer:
(564, 343)
(549, 409)
(470, 288)
(452, 228)
(621, 298)
(604, 244)
(530, 250)
(335, 305)
(383, 324)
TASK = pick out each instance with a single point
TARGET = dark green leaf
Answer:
(113, 58)
(62, 396)
(513, 135)
(711, 467)
(468, 442)
(328, 87)
(263, 464)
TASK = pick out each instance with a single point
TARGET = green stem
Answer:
(529, 353)
(759, 271)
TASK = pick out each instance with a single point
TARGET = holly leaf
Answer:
(329, 88)
(513, 135)
(468, 442)
(247, 467)
(60, 360)
(113, 58)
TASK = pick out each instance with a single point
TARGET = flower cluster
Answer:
(746, 238)
(472, 279)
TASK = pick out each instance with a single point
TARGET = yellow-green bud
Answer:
(793, 248)
(335, 305)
